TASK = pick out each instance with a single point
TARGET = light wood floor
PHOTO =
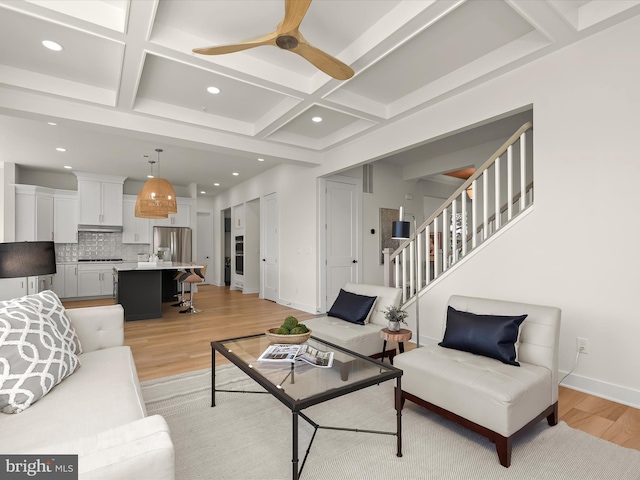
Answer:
(180, 343)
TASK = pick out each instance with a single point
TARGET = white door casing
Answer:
(270, 247)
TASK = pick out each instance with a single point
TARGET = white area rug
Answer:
(248, 436)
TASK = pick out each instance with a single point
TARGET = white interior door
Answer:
(342, 227)
(270, 248)
(204, 242)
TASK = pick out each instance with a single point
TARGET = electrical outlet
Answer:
(582, 344)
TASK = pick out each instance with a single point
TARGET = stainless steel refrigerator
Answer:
(174, 240)
(176, 243)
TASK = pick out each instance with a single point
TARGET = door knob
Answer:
(354, 261)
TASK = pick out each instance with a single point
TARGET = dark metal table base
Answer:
(297, 468)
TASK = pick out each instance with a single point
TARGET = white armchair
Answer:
(363, 339)
(494, 399)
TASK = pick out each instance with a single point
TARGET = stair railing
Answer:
(480, 207)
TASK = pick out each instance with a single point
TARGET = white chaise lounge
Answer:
(487, 395)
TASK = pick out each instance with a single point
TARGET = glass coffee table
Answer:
(299, 385)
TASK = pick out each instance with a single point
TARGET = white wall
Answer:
(62, 181)
(296, 188)
(577, 249)
(8, 206)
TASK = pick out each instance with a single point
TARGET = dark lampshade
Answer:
(27, 259)
(400, 230)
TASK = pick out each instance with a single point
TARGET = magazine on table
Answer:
(315, 357)
(280, 352)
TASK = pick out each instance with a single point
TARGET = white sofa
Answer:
(363, 339)
(98, 412)
(492, 398)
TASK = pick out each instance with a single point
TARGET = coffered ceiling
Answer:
(127, 82)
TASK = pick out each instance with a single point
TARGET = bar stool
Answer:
(194, 275)
(182, 300)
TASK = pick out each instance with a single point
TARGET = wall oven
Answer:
(239, 248)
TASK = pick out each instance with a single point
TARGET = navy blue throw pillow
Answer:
(351, 307)
(492, 336)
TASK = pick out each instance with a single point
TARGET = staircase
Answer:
(492, 197)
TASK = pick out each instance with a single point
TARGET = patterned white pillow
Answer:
(33, 357)
(48, 305)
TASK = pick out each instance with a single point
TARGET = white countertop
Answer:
(129, 266)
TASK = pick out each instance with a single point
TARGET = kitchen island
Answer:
(140, 287)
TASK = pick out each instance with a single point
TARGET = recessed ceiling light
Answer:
(213, 90)
(52, 123)
(261, 159)
(60, 149)
(216, 184)
(202, 192)
(68, 167)
(316, 119)
(51, 45)
(235, 174)
(149, 176)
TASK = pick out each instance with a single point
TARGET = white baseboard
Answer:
(297, 306)
(598, 388)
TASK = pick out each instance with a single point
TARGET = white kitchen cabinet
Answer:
(180, 219)
(34, 213)
(95, 280)
(134, 229)
(12, 288)
(99, 199)
(71, 281)
(43, 282)
(65, 217)
(58, 281)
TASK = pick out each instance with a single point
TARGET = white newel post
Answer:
(388, 274)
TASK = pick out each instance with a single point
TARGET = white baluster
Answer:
(485, 204)
(497, 193)
(419, 250)
(404, 275)
(464, 224)
(427, 273)
(523, 170)
(454, 231)
(436, 248)
(474, 215)
(446, 224)
(509, 182)
(412, 269)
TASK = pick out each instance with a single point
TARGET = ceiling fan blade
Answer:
(323, 61)
(294, 12)
(269, 39)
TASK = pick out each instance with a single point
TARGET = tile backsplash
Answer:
(97, 245)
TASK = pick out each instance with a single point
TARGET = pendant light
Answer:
(157, 198)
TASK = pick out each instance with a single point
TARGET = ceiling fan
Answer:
(289, 38)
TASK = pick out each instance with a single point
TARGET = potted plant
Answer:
(395, 316)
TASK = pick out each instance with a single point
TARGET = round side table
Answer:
(400, 336)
